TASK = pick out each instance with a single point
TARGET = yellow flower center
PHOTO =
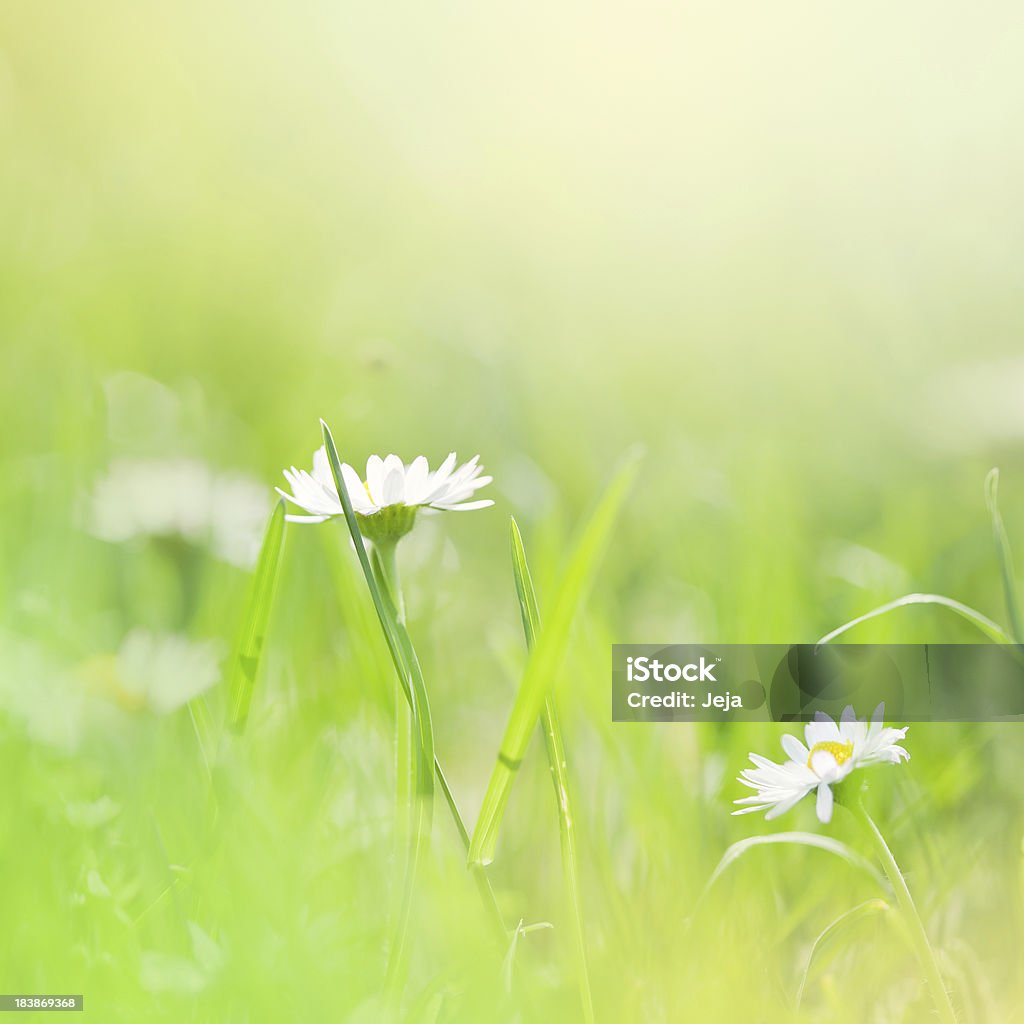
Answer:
(842, 752)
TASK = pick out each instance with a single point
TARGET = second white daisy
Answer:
(832, 751)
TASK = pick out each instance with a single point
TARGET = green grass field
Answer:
(772, 253)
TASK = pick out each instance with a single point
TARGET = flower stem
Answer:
(915, 926)
(415, 766)
(389, 571)
(385, 567)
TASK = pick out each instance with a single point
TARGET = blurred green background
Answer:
(777, 245)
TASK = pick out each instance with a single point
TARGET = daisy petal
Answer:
(785, 805)
(356, 491)
(466, 506)
(821, 730)
(416, 476)
(393, 488)
(795, 749)
(375, 478)
(824, 804)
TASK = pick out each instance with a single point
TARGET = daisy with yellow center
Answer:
(831, 752)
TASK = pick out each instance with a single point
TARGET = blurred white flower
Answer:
(831, 753)
(89, 814)
(238, 508)
(59, 706)
(40, 695)
(163, 671)
(180, 498)
(386, 502)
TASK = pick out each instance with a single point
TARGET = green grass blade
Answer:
(991, 629)
(1005, 555)
(544, 662)
(520, 932)
(555, 747)
(844, 921)
(524, 587)
(249, 650)
(826, 843)
(206, 733)
(479, 873)
(386, 619)
(916, 931)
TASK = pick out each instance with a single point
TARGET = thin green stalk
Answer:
(418, 786)
(385, 569)
(1005, 555)
(479, 875)
(386, 555)
(480, 878)
(555, 747)
(915, 926)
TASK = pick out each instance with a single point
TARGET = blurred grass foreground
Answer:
(778, 246)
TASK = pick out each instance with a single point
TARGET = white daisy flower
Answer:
(387, 501)
(160, 672)
(183, 498)
(40, 696)
(831, 753)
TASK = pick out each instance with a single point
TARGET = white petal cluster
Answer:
(389, 482)
(59, 705)
(831, 752)
(40, 696)
(164, 671)
(180, 498)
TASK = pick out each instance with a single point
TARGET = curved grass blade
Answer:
(411, 678)
(206, 733)
(555, 747)
(1005, 554)
(991, 629)
(858, 913)
(519, 932)
(544, 662)
(249, 650)
(916, 932)
(826, 843)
